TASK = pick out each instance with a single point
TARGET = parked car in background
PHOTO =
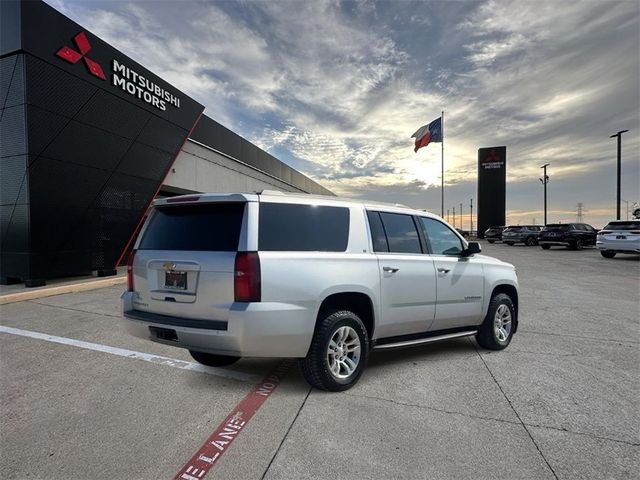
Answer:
(493, 234)
(571, 235)
(619, 236)
(527, 234)
(462, 232)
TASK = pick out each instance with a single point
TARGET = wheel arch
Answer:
(358, 302)
(512, 292)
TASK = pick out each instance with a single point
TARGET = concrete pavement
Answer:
(560, 402)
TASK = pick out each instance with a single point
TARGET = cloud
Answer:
(335, 89)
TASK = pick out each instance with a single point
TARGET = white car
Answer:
(619, 236)
(317, 278)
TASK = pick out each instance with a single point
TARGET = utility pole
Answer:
(544, 180)
(454, 217)
(627, 202)
(461, 215)
(580, 211)
(470, 215)
(448, 216)
(619, 136)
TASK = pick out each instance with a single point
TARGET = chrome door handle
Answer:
(444, 270)
(390, 269)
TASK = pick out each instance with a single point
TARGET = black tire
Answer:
(531, 241)
(509, 243)
(545, 246)
(607, 253)
(576, 244)
(315, 367)
(486, 336)
(491, 241)
(212, 360)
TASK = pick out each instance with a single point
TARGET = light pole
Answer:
(448, 216)
(619, 135)
(454, 217)
(544, 180)
(470, 215)
(460, 215)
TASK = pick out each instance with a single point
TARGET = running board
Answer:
(419, 341)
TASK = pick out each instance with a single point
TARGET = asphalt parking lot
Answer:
(85, 400)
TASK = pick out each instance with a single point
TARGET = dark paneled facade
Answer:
(492, 180)
(79, 167)
(80, 161)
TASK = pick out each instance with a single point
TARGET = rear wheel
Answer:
(531, 241)
(607, 253)
(509, 243)
(338, 353)
(545, 246)
(491, 241)
(212, 360)
(496, 331)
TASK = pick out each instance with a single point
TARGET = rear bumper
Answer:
(619, 246)
(264, 329)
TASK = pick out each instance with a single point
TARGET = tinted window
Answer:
(377, 232)
(441, 238)
(303, 228)
(402, 235)
(630, 225)
(210, 227)
(559, 226)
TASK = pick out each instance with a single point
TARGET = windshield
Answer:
(630, 225)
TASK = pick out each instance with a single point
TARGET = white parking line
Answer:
(121, 352)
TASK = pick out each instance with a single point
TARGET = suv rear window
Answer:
(630, 225)
(203, 227)
(559, 226)
(287, 227)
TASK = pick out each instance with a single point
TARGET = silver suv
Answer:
(322, 279)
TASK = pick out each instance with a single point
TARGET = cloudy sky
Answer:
(335, 89)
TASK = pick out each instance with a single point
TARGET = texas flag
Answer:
(428, 133)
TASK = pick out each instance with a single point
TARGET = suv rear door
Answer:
(184, 261)
(407, 275)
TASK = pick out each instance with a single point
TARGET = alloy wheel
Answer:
(343, 352)
(502, 323)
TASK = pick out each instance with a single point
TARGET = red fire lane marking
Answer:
(225, 433)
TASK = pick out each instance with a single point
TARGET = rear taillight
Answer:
(130, 271)
(246, 285)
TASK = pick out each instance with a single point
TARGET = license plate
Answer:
(621, 237)
(175, 280)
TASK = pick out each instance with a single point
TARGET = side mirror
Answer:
(473, 247)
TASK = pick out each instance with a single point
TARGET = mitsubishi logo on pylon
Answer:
(72, 56)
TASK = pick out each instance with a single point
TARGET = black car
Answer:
(493, 234)
(527, 234)
(570, 235)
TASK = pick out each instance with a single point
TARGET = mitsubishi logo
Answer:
(493, 157)
(72, 56)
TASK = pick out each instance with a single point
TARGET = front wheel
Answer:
(531, 241)
(607, 253)
(212, 360)
(509, 243)
(338, 353)
(577, 244)
(491, 241)
(496, 331)
(545, 246)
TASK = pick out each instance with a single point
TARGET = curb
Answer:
(62, 289)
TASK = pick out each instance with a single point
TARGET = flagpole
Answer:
(442, 168)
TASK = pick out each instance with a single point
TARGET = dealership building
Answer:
(89, 137)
